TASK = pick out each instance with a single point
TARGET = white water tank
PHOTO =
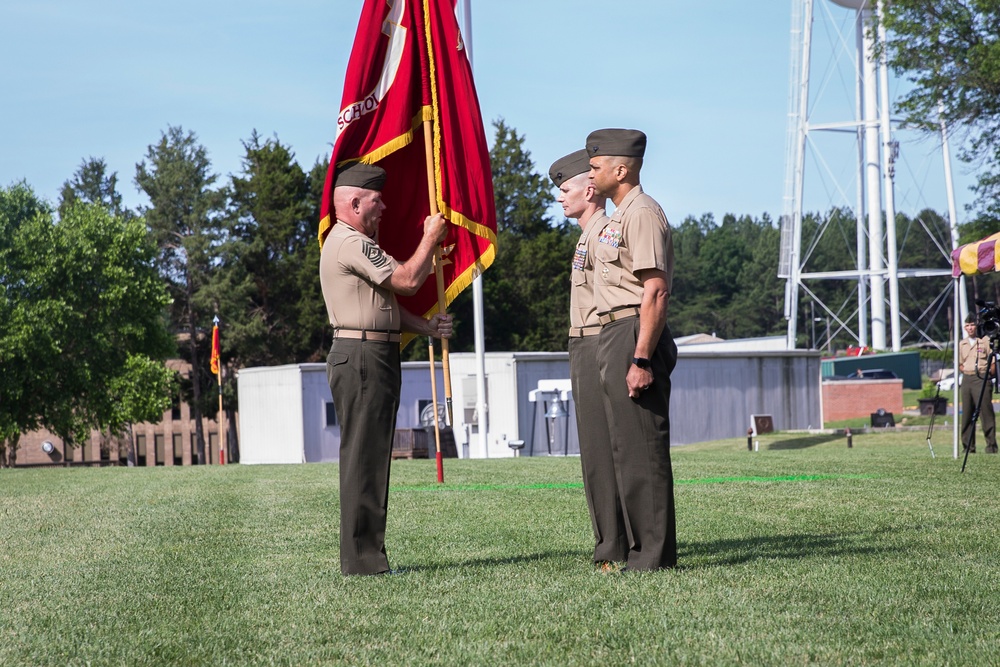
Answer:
(851, 4)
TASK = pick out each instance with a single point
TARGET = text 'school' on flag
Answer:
(409, 64)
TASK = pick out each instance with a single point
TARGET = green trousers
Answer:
(365, 381)
(971, 391)
(640, 443)
(599, 485)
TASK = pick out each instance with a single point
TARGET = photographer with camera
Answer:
(974, 355)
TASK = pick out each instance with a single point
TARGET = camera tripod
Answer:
(988, 379)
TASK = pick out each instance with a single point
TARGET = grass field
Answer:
(803, 552)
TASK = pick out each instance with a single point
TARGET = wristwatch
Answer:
(641, 362)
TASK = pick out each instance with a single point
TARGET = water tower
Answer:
(870, 128)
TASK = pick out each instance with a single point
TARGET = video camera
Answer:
(989, 319)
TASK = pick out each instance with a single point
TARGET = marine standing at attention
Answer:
(360, 283)
(633, 260)
(973, 355)
(580, 202)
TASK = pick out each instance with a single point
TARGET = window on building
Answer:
(331, 414)
(160, 445)
(178, 449)
(140, 450)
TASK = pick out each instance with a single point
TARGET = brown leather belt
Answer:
(582, 332)
(618, 314)
(367, 334)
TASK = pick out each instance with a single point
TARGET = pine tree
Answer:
(183, 219)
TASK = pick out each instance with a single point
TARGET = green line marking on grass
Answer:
(783, 478)
(579, 485)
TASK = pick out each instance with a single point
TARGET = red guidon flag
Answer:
(408, 65)
(215, 349)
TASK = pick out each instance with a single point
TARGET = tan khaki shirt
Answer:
(637, 237)
(972, 355)
(354, 273)
(582, 311)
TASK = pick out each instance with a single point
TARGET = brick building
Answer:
(851, 399)
(170, 442)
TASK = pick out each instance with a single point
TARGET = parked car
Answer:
(873, 374)
(946, 384)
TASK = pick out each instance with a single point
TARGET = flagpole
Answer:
(217, 363)
(439, 276)
(222, 441)
(434, 404)
(479, 326)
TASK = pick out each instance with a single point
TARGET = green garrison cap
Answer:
(361, 175)
(568, 166)
(612, 141)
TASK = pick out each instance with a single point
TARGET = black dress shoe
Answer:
(992, 449)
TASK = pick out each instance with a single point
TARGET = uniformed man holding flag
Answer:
(360, 283)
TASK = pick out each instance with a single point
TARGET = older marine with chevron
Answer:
(360, 283)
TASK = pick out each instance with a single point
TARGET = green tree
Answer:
(526, 291)
(80, 320)
(18, 206)
(269, 287)
(265, 286)
(724, 251)
(756, 307)
(312, 314)
(829, 243)
(924, 241)
(725, 278)
(521, 195)
(949, 51)
(184, 221)
(91, 184)
(542, 272)
(692, 307)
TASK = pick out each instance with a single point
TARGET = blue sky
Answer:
(707, 81)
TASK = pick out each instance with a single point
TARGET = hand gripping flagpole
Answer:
(439, 276)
